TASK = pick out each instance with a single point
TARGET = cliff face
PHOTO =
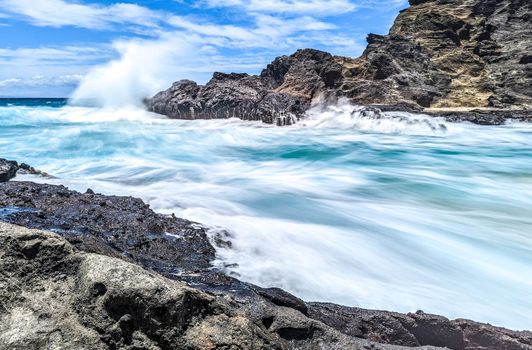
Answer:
(483, 46)
(439, 54)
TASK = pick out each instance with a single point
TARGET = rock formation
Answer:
(116, 275)
(440, 56)
(10, 168)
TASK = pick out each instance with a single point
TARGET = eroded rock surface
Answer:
(52, 296)
(288, 85)
(440, 55)
(415, 329)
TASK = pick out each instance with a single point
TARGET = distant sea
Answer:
(398, 213)
(33, 102)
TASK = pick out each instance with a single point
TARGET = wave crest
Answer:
(365, 118)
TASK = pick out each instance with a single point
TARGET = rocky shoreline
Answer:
(461, 60)
(109, 273)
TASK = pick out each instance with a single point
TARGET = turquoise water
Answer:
(399, 213)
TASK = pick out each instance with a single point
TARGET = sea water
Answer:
(398, 213)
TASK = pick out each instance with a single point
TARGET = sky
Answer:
(57, 48)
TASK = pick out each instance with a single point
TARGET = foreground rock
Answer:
(418, 328)
(446, 57)
(87, 294)
(54, 297)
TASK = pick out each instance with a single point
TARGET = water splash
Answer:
(347, 116)
(143, 68)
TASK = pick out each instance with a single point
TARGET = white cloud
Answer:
(59, 13)
(34, 71)
(317, 8)
(314, 7)
(267, 31)
(41, 81)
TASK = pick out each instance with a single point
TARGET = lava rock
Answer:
(116, 226)
(8, 169)
(416, 329)
(172, 298)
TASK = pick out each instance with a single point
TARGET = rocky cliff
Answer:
(440, 56)
(116, 275)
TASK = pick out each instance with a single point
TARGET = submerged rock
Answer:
(78, 288)
(445, 56)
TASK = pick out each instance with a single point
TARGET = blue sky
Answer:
(50, 47)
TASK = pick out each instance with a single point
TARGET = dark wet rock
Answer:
(449, 55)
(117, 226)
(24, 168)
(282, 298)
(415, 329)
(485, 117)
(8, 169)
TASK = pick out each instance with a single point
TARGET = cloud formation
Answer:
(60, 13)
(289, 7)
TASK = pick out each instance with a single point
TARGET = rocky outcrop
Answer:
(53, 296)
(287, 85)
(440, 56)
(116, 275)
(10, 168)
(415, 329)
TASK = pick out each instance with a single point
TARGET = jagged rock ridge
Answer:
(439, 54)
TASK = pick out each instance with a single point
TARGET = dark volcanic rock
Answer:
(116, 226)
(415, 329)
(444, 54)
(8, 169)
(287, 85)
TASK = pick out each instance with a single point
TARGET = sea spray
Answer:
(143, 68)
(346, 115)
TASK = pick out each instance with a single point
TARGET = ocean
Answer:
(399, 213)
